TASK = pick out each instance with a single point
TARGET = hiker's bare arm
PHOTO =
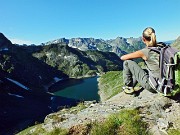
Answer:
(137, 54)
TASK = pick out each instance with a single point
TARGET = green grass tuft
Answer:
(41, 131)
(174, 132)
(127, 122)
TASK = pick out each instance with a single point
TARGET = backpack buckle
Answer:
(161, 84)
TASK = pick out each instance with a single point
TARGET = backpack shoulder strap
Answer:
(160, 48)
(161, 44)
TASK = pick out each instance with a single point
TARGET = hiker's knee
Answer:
(127, 62)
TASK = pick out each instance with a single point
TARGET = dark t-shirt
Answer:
(152, 62)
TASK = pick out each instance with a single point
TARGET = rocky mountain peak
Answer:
(57, 41)
(116, 45)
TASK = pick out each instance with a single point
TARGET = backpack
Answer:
(168, 83)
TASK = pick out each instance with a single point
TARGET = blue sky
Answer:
(38, 21)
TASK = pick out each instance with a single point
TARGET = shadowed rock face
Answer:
(23, 109)
(18, 64)
(4, 42)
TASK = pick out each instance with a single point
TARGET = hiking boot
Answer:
(138, 88)
(128, 90)
(131, 90)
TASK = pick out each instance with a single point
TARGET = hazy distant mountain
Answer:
(169, 42)
(120, 45)
(127, 44)
(176, 43)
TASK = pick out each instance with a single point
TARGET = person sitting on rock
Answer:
(132, 72)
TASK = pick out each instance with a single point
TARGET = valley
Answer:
(28, 73)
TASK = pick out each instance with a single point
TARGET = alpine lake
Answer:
(67, 92)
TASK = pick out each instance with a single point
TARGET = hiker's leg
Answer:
(127, 75)
(133, 72)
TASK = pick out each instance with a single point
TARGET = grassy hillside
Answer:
(110, 84)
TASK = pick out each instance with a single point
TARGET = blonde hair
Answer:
(149, 35)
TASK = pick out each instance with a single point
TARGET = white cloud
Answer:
(20, 41)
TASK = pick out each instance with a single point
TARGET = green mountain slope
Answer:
(76, 63)
(18, 64)
(110, 84)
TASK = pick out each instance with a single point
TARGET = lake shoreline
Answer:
(64, 80)
(79, 89)
(79, 77)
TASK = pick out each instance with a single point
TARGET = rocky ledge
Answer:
(161, 113)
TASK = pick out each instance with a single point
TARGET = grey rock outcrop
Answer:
(159, 112)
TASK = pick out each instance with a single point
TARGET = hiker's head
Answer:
(149, 37)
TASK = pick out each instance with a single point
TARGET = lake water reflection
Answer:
(80, 89)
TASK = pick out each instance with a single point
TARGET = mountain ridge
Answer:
(119, 45)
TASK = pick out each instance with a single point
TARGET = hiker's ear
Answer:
(144, 40)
